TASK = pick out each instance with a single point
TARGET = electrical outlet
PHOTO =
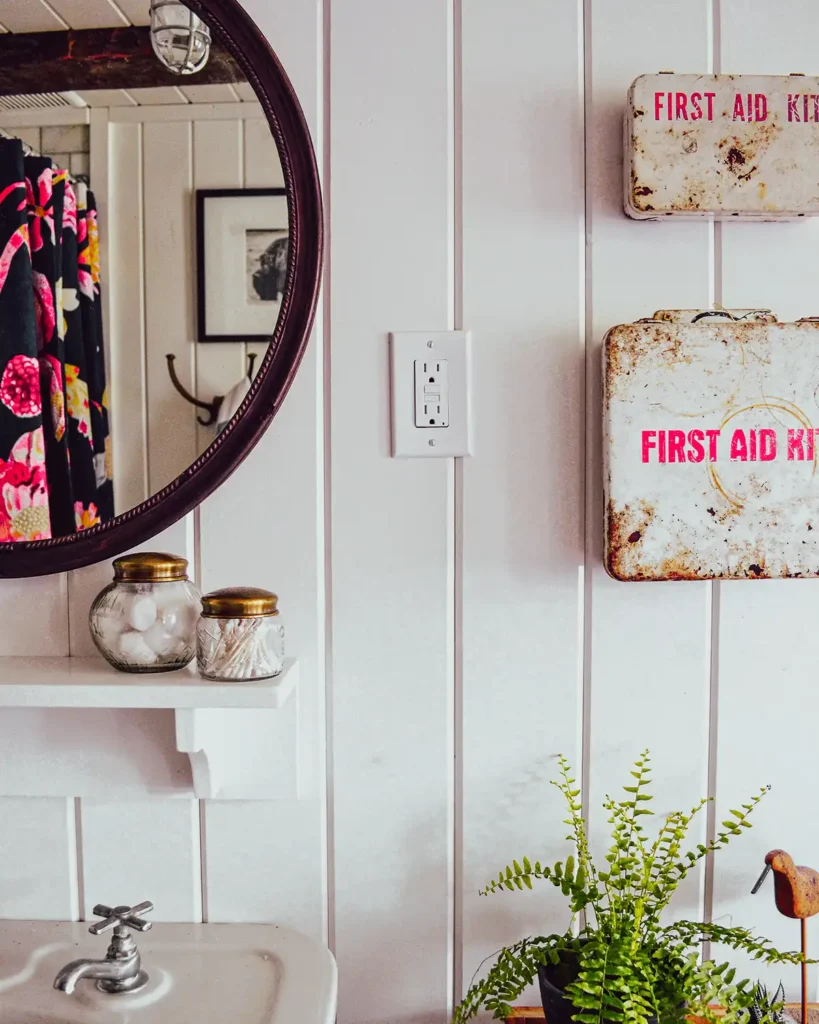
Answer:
(430, 394)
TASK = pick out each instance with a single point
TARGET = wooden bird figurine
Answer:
(796, 892)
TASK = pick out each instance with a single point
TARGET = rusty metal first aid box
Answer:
(722, 146)
(711, 447)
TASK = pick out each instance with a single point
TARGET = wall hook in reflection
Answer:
(212, 408)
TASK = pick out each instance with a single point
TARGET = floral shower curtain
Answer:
(55, 469)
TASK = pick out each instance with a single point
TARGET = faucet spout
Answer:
(112, 975)
(121, 970)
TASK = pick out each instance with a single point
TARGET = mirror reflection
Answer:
(144, 250)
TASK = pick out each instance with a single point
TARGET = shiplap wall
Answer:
(455, 624)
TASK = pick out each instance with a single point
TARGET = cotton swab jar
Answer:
(238, 635)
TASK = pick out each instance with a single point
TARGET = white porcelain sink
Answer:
(199, 974)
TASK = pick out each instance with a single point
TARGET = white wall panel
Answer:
(23, 631)
(109, 754)
(648, 653)
(391, 269)
(523, 490)
(768, 645)
(273, 537)
(169, 284)
(143, 850)
(38, 866)
(217, 163)
(262, 169)
(273, 844)
(124, 297)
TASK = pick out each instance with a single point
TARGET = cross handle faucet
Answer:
(121, 917)
(121, 970)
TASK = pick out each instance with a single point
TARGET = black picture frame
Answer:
(202, 196)
(288, 342)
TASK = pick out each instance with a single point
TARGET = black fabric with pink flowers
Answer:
(55, 467)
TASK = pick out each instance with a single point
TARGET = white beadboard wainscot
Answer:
(454, 627)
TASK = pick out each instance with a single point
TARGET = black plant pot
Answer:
(554, 979)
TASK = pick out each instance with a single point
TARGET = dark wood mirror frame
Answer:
(288, 341)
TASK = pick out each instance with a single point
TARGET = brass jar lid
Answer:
(150, 567)
(239, 603)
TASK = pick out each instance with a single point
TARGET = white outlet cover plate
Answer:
(408, 440)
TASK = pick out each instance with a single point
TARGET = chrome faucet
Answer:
(121, 970)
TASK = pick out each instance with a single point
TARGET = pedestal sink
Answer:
(253, 974)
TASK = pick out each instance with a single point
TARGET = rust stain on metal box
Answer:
(722, 146)
(711, 447)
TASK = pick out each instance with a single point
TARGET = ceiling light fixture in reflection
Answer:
(181, 40)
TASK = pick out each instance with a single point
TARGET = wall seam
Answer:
(457, 801)
(144, 303)
(586, 312)
(80, 866)
(325, 63)
(715, 595)
(203, 860)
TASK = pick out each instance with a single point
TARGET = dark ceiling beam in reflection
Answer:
(107, 58)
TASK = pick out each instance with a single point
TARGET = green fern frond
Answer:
(629, 966)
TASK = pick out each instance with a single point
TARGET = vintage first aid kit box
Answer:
(722, 146)
(711, 447)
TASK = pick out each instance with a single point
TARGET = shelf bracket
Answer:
(200, 736)
(241, 739)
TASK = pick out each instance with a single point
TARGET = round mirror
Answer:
(160, 255)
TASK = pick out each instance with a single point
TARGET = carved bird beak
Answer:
(760, 880)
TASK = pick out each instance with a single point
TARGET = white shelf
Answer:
(93, 683)
(239, 743)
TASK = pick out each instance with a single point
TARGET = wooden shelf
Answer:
(93, 683)
(240, 745)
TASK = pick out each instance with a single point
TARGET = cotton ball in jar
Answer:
(141, 614)
(109, 626)
(135, 651)
(179, 620)
(161, 641)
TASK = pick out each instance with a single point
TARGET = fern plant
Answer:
(628, 967)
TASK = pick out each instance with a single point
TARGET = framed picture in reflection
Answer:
(243, 248)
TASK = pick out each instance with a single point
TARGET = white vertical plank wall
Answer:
(522, 518)
(262, 169)
(132, 846)
(648, 648)
(124, 297)
(768, 644)
(391, 263)
(34, 886)
(269, 532)
(454, 624)
(217, 163)
(167, 168)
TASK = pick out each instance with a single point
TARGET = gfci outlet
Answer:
(431, 393)
(430, 380)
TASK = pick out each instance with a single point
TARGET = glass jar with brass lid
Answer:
(239, 637)
(145, 621)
